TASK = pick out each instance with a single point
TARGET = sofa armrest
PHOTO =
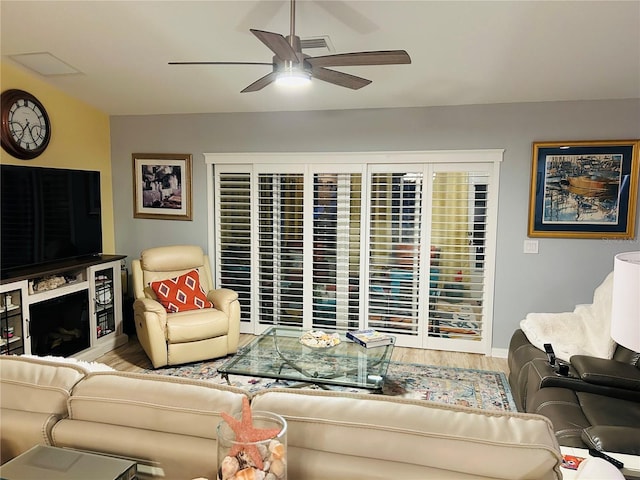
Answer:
(151, 309)
(610, 438)
(608, 373)
(22, 430)
(541, 375)
(226, 300)
(150, 319)
(222, 298)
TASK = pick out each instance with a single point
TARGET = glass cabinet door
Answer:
(104, 298)
(11, 332)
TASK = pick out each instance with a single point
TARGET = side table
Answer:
(631, 470)
(55, 463)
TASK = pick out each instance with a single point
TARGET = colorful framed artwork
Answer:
(162, 186)
(584, 189)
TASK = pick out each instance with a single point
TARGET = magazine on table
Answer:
(370, 338)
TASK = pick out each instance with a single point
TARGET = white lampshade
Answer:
(625, 302)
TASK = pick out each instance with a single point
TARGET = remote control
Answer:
(551, 356)
(597, 453)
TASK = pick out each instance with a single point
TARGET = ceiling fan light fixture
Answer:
(293, 78)
(294, 69)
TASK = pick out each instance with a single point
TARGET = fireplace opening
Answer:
(60, 326)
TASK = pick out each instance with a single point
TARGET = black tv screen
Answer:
(48, 215)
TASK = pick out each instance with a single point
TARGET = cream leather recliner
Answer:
(189, 336)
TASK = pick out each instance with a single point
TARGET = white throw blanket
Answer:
(585, 331)
(87, 366)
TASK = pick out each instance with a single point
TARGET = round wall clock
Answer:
(26, 129)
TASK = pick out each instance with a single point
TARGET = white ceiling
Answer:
(474, 52)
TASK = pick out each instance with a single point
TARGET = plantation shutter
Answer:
(234, 233)
(336, 250)
(459, 227)
(395, 221)
(405, 248)
(280, 248)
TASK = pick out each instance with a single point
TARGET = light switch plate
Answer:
(530, 246)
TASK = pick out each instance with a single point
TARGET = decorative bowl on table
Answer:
(319, 339)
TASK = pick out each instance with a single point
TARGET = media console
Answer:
(68, 308)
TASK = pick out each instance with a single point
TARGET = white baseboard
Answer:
(499, 352)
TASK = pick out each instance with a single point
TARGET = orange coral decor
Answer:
(247, 433)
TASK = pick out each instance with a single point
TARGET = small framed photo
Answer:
(584, 189)
(162, 186)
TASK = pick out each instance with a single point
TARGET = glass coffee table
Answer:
(278, 354)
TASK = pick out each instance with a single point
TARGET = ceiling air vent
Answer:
(44, 63)
(323, 42)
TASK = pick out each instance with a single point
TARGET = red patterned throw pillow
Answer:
(181, 293)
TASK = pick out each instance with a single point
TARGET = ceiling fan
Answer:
(290, 65)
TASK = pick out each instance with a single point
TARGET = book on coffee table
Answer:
(370, 338)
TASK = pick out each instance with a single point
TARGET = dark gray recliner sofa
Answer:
(595, 405)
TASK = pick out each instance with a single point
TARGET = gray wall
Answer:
(563, 274)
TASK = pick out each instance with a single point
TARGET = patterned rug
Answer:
(483, 389)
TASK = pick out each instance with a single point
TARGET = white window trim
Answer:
(427, 156)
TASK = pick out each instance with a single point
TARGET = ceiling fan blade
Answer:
(277, 44)
(260, 83)
(339, 78)
(384, 57)
(220, 63)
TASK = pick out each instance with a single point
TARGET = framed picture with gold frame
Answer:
(162, 186)
(584, 189)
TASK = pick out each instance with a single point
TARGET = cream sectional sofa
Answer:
(168, 424)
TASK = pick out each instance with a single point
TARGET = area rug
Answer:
(483, 389)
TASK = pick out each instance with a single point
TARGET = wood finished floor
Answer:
(131, 358)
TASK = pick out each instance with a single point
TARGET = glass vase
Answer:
(260, 460)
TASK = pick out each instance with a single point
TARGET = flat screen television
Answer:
(48, 215)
